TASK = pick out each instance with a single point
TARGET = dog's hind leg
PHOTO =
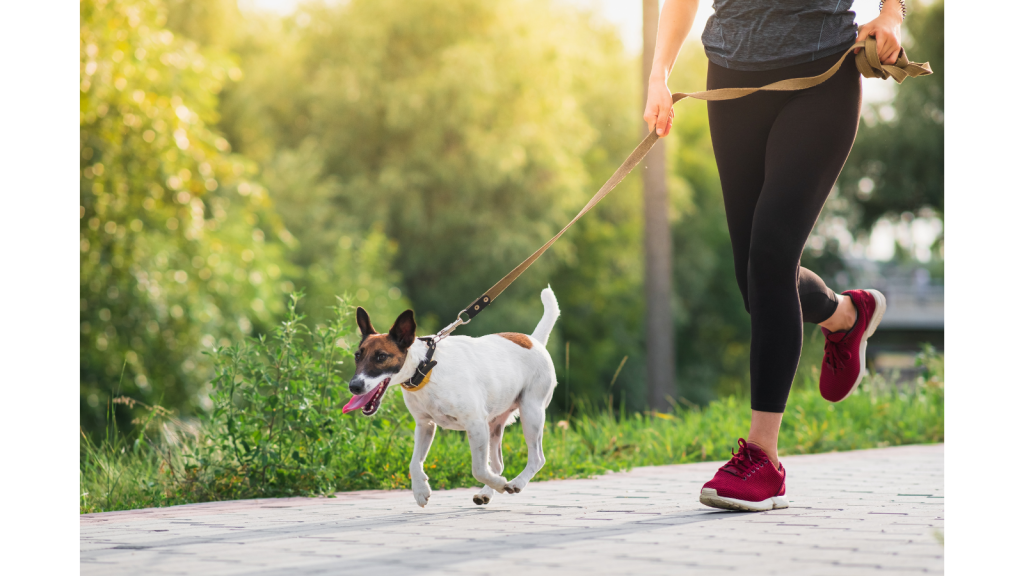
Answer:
(531, 415)
(422, 438)
(497, 464)
(479, 444)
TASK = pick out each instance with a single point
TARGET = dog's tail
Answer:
(547, 322)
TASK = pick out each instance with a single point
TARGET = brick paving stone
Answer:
(871, 511)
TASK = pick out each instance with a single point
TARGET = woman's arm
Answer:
(673, 26)
(886, 30)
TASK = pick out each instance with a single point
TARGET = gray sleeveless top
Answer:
(769, 34)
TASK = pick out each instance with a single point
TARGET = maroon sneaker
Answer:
(845, 361)
(748, 482)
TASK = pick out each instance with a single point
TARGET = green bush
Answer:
(274, 425)
(179, 245)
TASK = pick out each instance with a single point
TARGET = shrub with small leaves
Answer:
(276, 422)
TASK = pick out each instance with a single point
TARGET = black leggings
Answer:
(778, 155)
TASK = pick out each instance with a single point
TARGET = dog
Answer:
(479, 385)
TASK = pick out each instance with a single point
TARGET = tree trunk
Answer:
(661, 365)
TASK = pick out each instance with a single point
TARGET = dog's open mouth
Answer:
(369, 402)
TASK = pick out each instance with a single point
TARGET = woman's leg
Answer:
(808, 145)
(821, 306)
(778, 156)
(739, 136)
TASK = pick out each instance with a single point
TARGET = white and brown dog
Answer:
(478, 385)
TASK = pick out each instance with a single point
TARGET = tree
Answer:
(179, 249)
(661, 378)
(897, 162)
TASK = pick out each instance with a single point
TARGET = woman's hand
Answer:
(659, 108)
(673, 25)
(886, 30)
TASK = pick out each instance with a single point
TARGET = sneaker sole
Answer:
(876, 319)
(710, 497)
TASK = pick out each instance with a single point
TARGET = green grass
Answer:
(120, 472)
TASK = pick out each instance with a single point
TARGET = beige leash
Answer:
(868, 64)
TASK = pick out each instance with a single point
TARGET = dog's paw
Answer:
(421, 499)
(481, 499)
(421, 495)
(516, 486)
(498, 485)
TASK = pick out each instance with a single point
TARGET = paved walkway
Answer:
(850, 513)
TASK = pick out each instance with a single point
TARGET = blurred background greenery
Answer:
(409, 154)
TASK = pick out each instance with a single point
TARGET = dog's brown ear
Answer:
(404, 330)
(363, 320)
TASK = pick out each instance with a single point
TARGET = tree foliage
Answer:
(179, 248)
(897, 163)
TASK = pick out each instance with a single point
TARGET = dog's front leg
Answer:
(479, 439)
(423, 436)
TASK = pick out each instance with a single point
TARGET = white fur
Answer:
(547, 321)
(478, 385)
(369, 383)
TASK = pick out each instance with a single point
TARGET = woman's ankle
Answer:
(771, 451)
(764, 433)
(844, 318)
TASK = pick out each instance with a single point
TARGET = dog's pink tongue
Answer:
(357, 402)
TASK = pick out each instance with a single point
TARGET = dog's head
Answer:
(379, 358)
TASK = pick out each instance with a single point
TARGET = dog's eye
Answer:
(381, 356)
(358, 355)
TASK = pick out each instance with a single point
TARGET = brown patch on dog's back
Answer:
(520, 339)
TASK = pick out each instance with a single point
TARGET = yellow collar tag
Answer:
(408, 387)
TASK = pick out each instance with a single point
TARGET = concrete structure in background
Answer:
(915, 314)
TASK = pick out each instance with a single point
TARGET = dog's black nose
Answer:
(355, 387)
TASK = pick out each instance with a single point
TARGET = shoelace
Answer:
(835, 356)
(742, 462)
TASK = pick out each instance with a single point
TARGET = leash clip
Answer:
(428, 363)
(444, 332)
